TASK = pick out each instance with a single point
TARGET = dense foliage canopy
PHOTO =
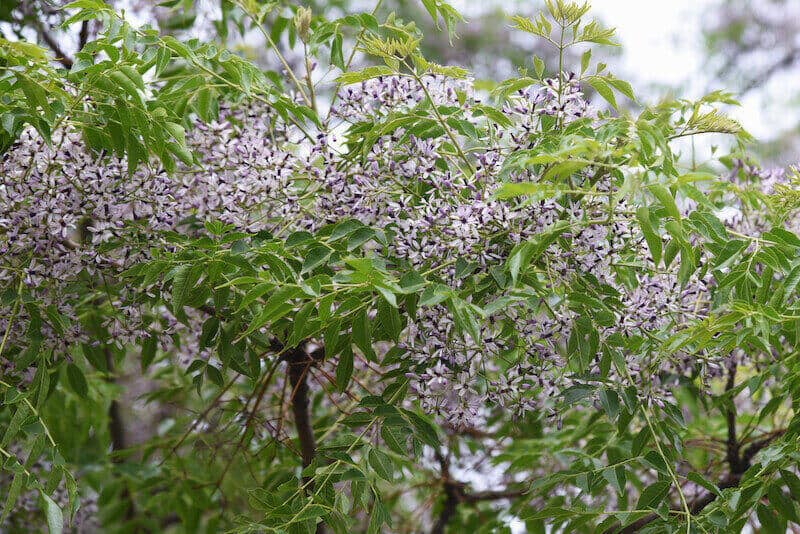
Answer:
(366, 292)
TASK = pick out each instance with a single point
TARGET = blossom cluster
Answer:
(71, 215)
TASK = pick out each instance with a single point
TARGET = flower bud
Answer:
(302, 22)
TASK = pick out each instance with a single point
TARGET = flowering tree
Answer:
(385, 300)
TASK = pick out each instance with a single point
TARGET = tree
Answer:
(382, 298)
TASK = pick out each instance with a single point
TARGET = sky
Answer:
(662, 45)
(661, 39)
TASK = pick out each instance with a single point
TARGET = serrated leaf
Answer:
(14, 491)
(650, 236)
(364, 74)
(77, 381)
(55, 517)
(667, 200)
(182, 282)
(344, 369)
(382, 464)
(277, 305)
(653, 495)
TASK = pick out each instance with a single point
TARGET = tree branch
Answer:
(788, 59)
(61, 56)
(734, 460)
(116, 432)
(480, 496)
(453, 493)
(456, 493)
(83, 36)
(299, 363)
(732, 480)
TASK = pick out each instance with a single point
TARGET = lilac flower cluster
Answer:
(69, 214)
(62, 206)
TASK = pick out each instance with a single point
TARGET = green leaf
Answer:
(389, 320)
(423, 428)
(650, 236)
(622, 86)
(790, 284)
(254, 293)
(702, 482)
(770, 524)
(215, 375)
(15, 424)
(207, 333)
(315, 257)
(603, 89)
(77, 381)
(780, 502)
(667, 200)
(792, 481)
(279, 304)
(653, 495)
(524, 253)
(182, 282)
(378, 517)
(337, 58)
(362, 334)
(382, 464)
(538, 66)
(364, 74)
(55, 518)
(14, 490)
(344, 369)
(394, 439)
(610, 402)
(465, 317)
(148, 351)
(585, 59)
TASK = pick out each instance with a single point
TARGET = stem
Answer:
(350, 59)
(14, 312)
(309, 81)
(277, 51)
(116, 426)
(448, 509)
(116, 432)
(441, 120)
(560, 70)
(730, 481)
(83, 36)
